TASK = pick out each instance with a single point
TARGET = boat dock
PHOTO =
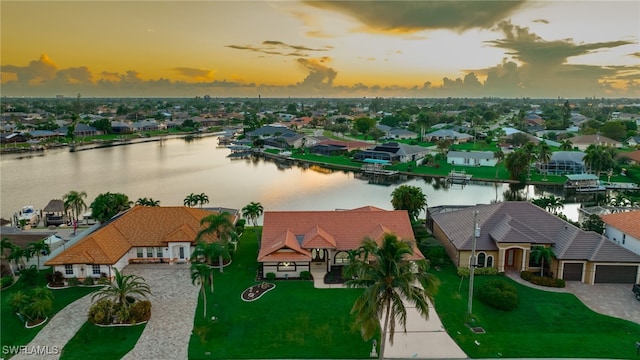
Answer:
(377, 169)
(458, 177)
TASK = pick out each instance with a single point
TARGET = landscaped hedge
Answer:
(6, 281)
(464, 271)
(108, 312)
(542, 280)
(498, 294)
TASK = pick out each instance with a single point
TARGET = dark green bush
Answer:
(140, 311)
(270, 276)
(88, 281)
(498, 294)
(73, 281)
(102, 312)
(6, 281)
(464, 271)
(542, 280)
(305, 275)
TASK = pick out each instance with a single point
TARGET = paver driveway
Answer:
(173, 306)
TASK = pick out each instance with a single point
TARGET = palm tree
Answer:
(540, 254)
(107, 205)
(38, 248)
(190, 200)
(566, 145)
(74, 200)
(252, 212)
(220, 226)
(544, 156)
(388, 279)
(599, 158)
(121, 287)
(410, 198)
(202, 199)
(200, 275)
(147, 202)
(499, 156)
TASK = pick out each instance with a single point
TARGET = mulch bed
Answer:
(254, 292)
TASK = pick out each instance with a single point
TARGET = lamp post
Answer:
(472, 260)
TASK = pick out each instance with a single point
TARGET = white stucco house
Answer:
(624, 229)
(471, 158)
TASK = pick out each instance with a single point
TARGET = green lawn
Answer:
(545, 324)
(12, 328)
(96, 342)
(294, 320)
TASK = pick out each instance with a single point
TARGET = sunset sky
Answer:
(550, 49)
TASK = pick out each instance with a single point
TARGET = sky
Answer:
(323, 49)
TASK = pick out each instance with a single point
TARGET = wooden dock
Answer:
(458, 177)
(377, 169)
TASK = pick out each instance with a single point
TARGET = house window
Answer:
(139, 252)
(159, 252)
(68, 269)
(481, 259)
(96, 269)
(149, 252)
(624, 237)
(466, 161)
(489, 261)
(286, 266)
(341, 258)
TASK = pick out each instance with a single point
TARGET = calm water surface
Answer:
(171, 169)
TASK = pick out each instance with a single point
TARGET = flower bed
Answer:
(255, 292)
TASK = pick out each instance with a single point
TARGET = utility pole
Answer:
(472, 260)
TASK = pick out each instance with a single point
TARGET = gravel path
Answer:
(57, 332)
(173, 305)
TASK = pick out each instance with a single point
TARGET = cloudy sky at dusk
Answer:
(511, 48)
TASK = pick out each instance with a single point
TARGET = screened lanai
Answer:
(564, 162)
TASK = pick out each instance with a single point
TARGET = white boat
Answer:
(28, 214)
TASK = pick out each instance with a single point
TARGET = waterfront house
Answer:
(633, 156)
(582, 142)
(447, 134)
(396, 133)
(142, 234)
(633, 141)
(624, 229)
(297, 241)
(508, 231)
(393, 152)
(471, 158)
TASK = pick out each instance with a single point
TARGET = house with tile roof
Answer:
(163, 234)
(297, 241)
(582, 142)
(447, 134)
(393, 152)
(624, 229)
(510, 229)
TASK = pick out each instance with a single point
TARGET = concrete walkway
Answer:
(58, 330)
(174, 303)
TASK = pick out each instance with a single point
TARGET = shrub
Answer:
(18, 300)
(270, 276)
(102, 312)
(88, 281)
(6, 281)
(464, 271)
(104, 281)
(55, 279)
(305, 275)
(30, 275)
(542, 280)
(73, 281)
(140, 311)
(525, 275)
(498, 294)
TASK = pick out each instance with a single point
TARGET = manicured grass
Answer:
(96, 342)
(294, 320)
(335, 160)
(545, 324)
(12, 328)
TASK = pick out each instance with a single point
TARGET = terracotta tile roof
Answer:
(633, 155)
(146, 226)
(344, 228)
(521, 221)
(628, 222)
(283, 247)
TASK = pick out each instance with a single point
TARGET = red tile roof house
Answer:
(297, 241)
(624, 228)
(141, 234)
(509, 230)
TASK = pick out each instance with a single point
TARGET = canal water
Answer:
(171, 169)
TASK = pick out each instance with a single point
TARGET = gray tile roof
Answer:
(523, 222)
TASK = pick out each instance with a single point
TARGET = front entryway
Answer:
(510, 256)
(318, 255)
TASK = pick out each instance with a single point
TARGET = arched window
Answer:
(481, 259)
(489, 261)
(341, 258)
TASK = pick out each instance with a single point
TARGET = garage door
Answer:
(616, 274)
(572, 272)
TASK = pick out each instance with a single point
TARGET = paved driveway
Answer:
(615, 300)
(173, 306)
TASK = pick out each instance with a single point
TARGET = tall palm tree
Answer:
(566, 145)
(74, 200)
(388, 279)
(121, 287)
(599, 158)
(540, 254)
(38, 248)
(200, 275)
(410, 198)
(202, 199)
(544, 156)
(252, 212)
(221, 227)
(190, 200)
